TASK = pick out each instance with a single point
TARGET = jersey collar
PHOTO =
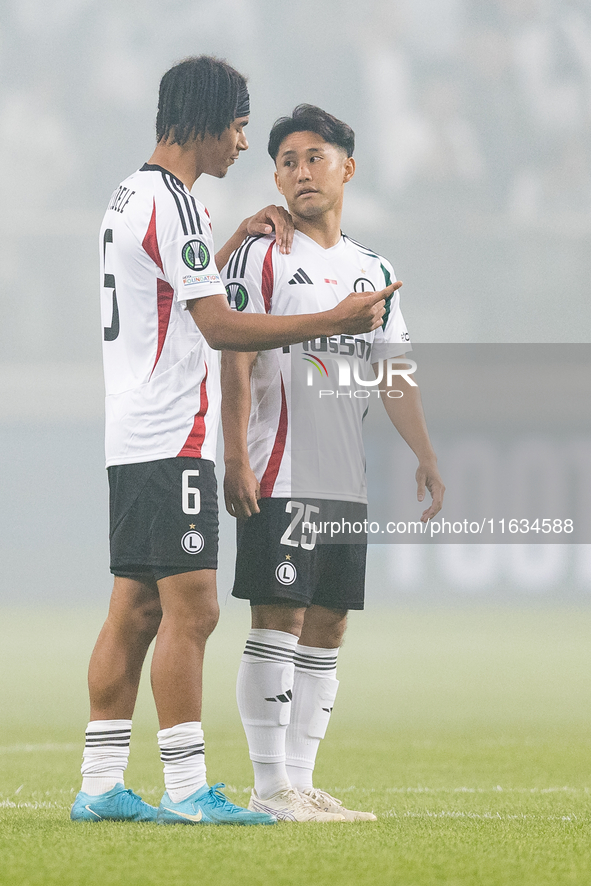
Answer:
(153, 167)
(325, 252)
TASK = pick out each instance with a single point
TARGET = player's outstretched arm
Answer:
(225, 329)
(407, 416)
(265, 221)
(241, 487)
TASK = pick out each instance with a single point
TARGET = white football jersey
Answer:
(308, 400)
(161, 376)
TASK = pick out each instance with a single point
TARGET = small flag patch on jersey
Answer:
(326, 280)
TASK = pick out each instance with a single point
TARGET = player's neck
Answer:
(324, 230)
(181, 160)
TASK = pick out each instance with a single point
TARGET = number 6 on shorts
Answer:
(190, 494)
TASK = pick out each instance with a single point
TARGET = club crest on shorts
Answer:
(192, 542)
(286, 573)
(195, 255)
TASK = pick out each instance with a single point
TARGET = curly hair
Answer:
(198, 96)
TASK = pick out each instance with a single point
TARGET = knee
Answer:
(148, 620)
(134, 611)
(324, 627)
(287, 619)
(208, 619)
(196, 622)
(141, 622)
(189, 604)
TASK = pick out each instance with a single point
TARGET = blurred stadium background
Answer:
(474, 178)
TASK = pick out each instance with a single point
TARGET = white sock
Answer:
(182, 750)
(314, 692)
(106, 752)
(263, 690)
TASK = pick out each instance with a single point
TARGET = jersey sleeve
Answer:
(391, 338)
(248, 276)
(186, 248)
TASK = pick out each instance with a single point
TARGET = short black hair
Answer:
(309, 118)
(197, 96)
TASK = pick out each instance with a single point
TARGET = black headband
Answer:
(242, 103)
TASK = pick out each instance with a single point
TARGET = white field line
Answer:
(562, 789)
(39, 748)
(35, 804)
(481, 816)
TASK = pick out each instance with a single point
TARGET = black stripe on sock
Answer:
(321, 662)
(173, 755)
(265, 656)
(299, 666)
(109, 732)
(263, 647)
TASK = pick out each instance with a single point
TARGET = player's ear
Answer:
(279, 188)
(348, 169)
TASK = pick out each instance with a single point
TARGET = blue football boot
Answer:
(208, 806)
(118, 804)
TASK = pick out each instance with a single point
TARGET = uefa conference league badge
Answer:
(195, 255)
(237, 296)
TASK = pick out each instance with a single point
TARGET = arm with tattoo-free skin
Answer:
(226, 329)
(407, 416)
(241, 487)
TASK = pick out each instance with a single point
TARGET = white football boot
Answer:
(290, 805)
(333, 806)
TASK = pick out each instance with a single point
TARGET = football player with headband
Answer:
(164, 315)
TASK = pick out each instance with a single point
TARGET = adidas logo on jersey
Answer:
(300, 276)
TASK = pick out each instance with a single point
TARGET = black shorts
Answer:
(163, 517)
(270, 570)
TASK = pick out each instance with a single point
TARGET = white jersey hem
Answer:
(321, 496)
(136, 460)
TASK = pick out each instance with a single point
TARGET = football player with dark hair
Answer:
(165, 313)
(295, 461)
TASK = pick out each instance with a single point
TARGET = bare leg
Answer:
(190, 612)
(278, 618)
(315, 626)
(116, 662)
(323, 627)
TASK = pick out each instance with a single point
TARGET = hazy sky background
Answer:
(474, 178)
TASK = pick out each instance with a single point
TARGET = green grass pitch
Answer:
(467, 731)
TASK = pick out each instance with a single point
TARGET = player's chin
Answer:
(309, 211)
(229, 163)
(222, 170)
